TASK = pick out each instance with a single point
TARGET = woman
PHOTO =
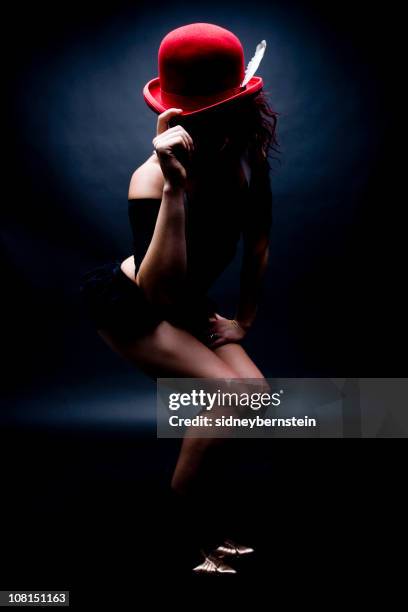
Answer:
(205, 185)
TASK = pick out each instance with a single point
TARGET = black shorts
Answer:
(112, 301)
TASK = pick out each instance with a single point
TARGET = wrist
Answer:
(172, 189)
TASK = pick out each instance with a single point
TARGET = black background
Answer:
(83, 489)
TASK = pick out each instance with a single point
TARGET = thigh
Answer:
(235, 356)
(169, 351)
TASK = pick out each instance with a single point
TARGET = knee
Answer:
(162, 339)
(254, 395)
(258, 384)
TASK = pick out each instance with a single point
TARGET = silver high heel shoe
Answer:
(230, 549)
(213, 564)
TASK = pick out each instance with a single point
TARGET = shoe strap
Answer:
(232, 545)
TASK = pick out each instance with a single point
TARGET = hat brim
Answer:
(152, 96)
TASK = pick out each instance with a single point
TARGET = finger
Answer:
(190, 140)
(164, 118)
(176, 129)
(180, 139)
(180, 129)
(213, 334)
(218, 342)
(174, 132)
(216, 326)
(187, 145)
(169, 142)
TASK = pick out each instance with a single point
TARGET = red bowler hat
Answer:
(202, 65)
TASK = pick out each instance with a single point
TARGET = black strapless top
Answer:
(215, 217)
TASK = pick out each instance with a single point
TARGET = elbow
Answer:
(160, 294)
(161, 299)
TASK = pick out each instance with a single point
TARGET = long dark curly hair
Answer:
(257, 125)
(247, 123)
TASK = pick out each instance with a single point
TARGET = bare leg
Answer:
(173, 352)
(170, 351)
(238, 526)
(235, 356)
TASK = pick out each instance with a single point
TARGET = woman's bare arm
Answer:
(256, 230)
(254, 263)
(256, 236)
(162, 271)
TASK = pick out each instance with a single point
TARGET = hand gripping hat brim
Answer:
(201, 66)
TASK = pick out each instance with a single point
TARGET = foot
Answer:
(230, 549)
(213, 565)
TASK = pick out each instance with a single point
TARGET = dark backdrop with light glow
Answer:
(78, 127)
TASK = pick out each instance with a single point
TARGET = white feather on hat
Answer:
(253, 64)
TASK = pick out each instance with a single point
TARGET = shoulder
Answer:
(147, 180)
